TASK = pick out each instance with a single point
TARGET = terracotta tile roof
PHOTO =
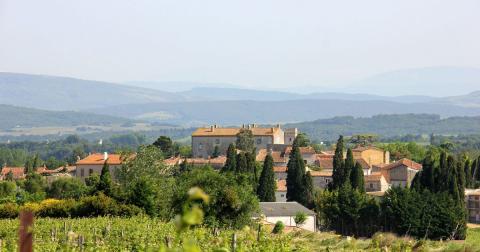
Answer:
(234, 131)
(324, 163)
(321, 173)
(45, 170)
(281, 185)
(303, 150)
(323, 155)
(278, 157)
(98, 159)
(279, 169)
(406, 162)
(329, 153)
(18, 172)
(375, 176)
(261, 155)
(363, 163)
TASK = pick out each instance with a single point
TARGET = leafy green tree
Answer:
(357, 178)
(67, 188)
(338, 175)
(267, 185)
(35, 183)
(166, 145)
(9, 176)
(7, 192)
(364, 139)
(245, 140)
(300, 218)
(231, 203)
(302, 140)
(105, 183)
(143, 195)
(231, 163)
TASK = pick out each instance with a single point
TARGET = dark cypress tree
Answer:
(231, 163)
(295, 174)
(308, 190)
(299, 184)
(349, 166)
(185, 166)
(461, 180)
(216, 152)
(453, 179)
(105, 184)
(267, 185)
(338, 175)
(427, 179)
(242, 164)
(467, 169)
(443, 174)
(476, 172)
(357, 179)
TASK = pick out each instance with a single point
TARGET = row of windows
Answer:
(82, 172)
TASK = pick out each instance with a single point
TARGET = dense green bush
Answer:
(278, 228)
(67, 188)
(8, 211)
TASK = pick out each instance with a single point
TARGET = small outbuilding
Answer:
(285, 212)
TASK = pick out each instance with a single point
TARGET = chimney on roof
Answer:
(278, 125)
(212, 128)
(215, 126)
(249, 126)
(243, 126)
(78, 158)
(105, 156)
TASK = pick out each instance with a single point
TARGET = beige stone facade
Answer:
(204, 140)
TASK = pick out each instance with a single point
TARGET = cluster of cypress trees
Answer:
(434, 206)
(243, 162)
(345, 206)
(299, 182)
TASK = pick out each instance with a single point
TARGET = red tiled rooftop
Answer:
(406, 162)
(98, 159)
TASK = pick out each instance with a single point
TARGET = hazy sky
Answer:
(266, 43)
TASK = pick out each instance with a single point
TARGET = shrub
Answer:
(300, 218)
(102, 205)
(8, 211)
(67, 188)
(57, 208)
(279, 227)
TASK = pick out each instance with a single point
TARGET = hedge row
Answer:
(99, 205)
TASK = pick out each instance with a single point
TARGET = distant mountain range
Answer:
(232, 105)
(62, 93)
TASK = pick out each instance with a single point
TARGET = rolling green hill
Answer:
(12, 116)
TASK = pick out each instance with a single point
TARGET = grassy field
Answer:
(145, 234)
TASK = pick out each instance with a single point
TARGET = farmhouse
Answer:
(93, 164)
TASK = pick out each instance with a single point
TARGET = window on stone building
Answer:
(259, 141)
(200, 146)
(371, 185)
(217, 141)
(82, 172)
(90, 172)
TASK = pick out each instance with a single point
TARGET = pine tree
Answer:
(231, 163)
(338, 174)
(105, 184)
(267, 185)
(349, 166)
(242, 164)
(357, 179)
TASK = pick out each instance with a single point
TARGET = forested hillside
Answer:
(389, 125)
(11, 116)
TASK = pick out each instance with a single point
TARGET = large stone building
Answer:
(93, 163)
(204, 140)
